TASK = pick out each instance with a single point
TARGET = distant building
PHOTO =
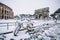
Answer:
(5, 12)
(42, 13)
(57, 14)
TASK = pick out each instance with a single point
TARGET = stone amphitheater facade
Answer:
(5, 12)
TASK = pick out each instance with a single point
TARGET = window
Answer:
(5, 11)
(2, 10)
(2, 16)
(5, 17)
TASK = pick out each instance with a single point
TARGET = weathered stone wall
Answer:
(5, 12)
(44, 13)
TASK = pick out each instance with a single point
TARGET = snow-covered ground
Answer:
(7, 25)
(45, 28)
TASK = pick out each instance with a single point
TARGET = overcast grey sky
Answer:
(29, 6)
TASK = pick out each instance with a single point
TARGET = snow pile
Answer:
(41, 30)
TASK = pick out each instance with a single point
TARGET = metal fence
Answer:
(7, 24)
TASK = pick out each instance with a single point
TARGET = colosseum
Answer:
(5, 12)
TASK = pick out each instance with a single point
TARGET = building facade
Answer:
(5, 12)
(57, 14)
(42, 13)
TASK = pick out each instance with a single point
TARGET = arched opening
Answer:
(40, 15)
